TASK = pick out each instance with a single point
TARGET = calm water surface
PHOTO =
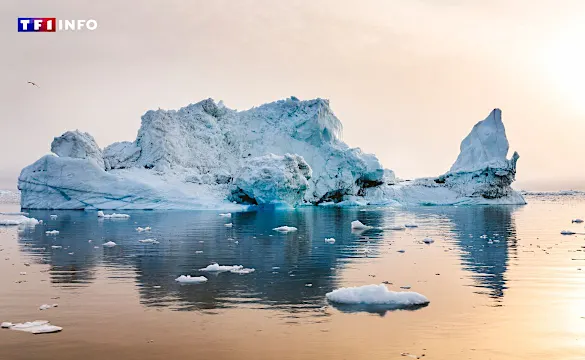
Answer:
(517, 294)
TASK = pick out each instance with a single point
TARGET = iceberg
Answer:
(187, 279)
(207, 156)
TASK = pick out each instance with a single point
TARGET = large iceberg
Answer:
(206, 156)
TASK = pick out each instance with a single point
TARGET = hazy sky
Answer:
(407, 78)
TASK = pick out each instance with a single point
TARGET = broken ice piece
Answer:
(187, 279)
(110, 244)
(47, 306)
(357, 225)
(330, 240)
(228, 215)
(52, 232)
(285, 229)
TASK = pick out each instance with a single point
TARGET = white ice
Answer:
(101, 214)
(330, 240)
(215, 267)
(19, 220)
(357, 225)
(228, 215)
(149, 241)
(109, 244)
(375, 295)
(35, 327)
(187, 279)
(142, 229)
(47, 306)
(285, 229)
(52, 232)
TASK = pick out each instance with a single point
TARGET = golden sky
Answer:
(407, 78)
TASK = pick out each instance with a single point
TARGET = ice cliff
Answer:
(286, 152)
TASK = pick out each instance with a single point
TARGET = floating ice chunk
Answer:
(309, 285)
(411, 225)
(53, 217)
(227, 215)
(23, 273)
(228, 225)
(52, 232)
(6, 325)
(330, 240)
(567, 232)
(187, 279)
(357, 225)
(110, 244)
(142, 229)
(483, 237)
(149, 241)
(215, 267)
(428, 240)
(243, 271)
(21, 220)
(396, 227)
(198, 252)
(35, 327)
(285, 229)
(578, 221)
(101, 214)
(375, 295)
(47, 306)
(56, 247)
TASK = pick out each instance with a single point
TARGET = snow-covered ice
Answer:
(35, 327)
(149, 241)
(47, 306)
(53, 217)
(242, 271)
(142, 229)
(19, 220)
(109, 244)
(188, 279)
(52, 232)
(330, 240)
(285, 229)
(357, 225)
(375, 295)
(236, 269)
(228, 225)
(101, 214)
(205, 155)
(228, 215)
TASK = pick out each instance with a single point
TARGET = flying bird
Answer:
(32, 83)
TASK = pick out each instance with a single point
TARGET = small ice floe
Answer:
(34, 327)
(142, 229)
(101, 214)
(21, 220)
(187, 279)
(285, 229)
(23, 273)
(410, 355)
(428, 240)
(148, 241)
(411, 225)
(375, 295)
(109, 244)
(199, 252)
(330, 240)
(71, 253)
(52, 232)
(496, 240)
(275, 267)
(309, 285)
(483, 237)
(47, 306)
(227, 215)
(396, 227)
(357, 225)
(53, 217)
(577, 221)
(243, 271)
(236, 269)
(228, 225)
(567, 232)
(90, 241)
(56, 247)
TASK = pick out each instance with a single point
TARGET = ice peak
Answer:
(485, 146)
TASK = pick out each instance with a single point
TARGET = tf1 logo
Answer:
(52, 25)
